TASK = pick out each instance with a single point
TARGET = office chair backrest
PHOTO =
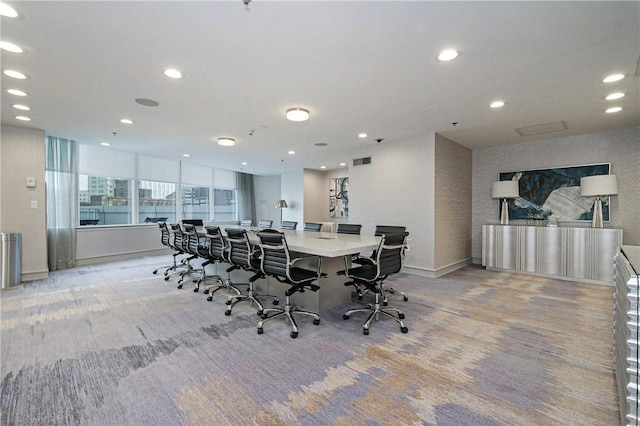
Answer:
(311, 226)
(165, 235)
(179, 239)
(192, 238)
(287, 224)
(246, 222)
(274, 259)
(217, 243)
(195, 222)
(264, 223)
(390, 253)
(348, 228)
(240, 252)
(385, 229)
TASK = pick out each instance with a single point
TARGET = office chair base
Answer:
(250, 297)
(287, 312)
(392, 290)
(211, 289)
(374, 313)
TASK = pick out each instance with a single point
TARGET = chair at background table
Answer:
(388, 260)
(312, 226)
(192, 247)
(288, 224)
(348, 228)
(276, 262)
(265, 223)
(246, 222)
(242, 256)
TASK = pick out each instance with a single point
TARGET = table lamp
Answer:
(281, 204)
(505, 189)
(597, 186)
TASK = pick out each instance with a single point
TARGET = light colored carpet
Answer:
(113, 344)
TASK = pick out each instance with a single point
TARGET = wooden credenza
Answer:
(579, 254)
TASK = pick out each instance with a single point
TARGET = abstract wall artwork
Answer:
(339, 197)
(555, 193)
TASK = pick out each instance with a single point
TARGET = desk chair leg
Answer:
(287, 312)
(392, 290)
(227, 284)
(374, 312)
(251, 297)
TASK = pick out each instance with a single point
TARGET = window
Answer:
(104, 200)
(224, 204)
(156, 202)
(195, 202)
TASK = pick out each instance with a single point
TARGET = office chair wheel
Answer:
(179, 285)
(359, 297)
(227, 302)
(316, 321)
(259, 313)
(195, 290)
(260, 330)
(345, 316)
(385, 303)
(206, 291)
(401, 316)
(155, 272)
(209, 299)
(227, 312)
(365, 331)
(263, 315)
(166, 277)
(404, 329)
(276, 302)
(405, 298)
(293, 334)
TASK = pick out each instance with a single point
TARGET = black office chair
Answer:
(165, 239)
(178, 242)
(388, 261)
(380, 231)
(276, 261)
(348, 228)
(246, 222)
(211, 250)
(194, 222)
(265, 223)
(311, 226)
(288, 224)
(218, 253)
(193, 248)
(242, 256)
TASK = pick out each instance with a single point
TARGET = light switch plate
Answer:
(31, 182)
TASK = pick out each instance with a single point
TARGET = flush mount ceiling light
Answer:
(147, 102)
(447, 55)
(297, 114)
(226, 141)
(8, 11)
(16, 92)
(613, 109)
(22, 118)
(291, 152)
(362, 135)
(10, 47)
(186, 155)
(172, 73)
(126, 121)
(613, 77)
(22, 107)
(613, 96)
(105, 144)
(496, 104)
(14, 74)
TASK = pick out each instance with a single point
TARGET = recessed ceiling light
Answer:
(226, 141)
(323, 167)
(16, 92)
(22, 107)
(291, 152)
(8, 11)
(613, 77)
(126, 121)
(613, 96)
(186, 155)
(343, 164)
(14, 74)
(496, 104)
(22, 118)
(244, 163)
(362, 135)
(447, 55)
(10, 47)
(297, 114)
(613, 109)
(105, 144)
(172, 73)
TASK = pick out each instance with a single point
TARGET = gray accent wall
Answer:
(621, 148)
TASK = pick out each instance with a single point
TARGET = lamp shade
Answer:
(281, 204)
(590, 186)
(505, 189)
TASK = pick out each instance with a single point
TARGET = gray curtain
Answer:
(62, 196)
(246, 200)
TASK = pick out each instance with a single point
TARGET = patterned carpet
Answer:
(113, 344)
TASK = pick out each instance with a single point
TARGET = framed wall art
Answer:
(339, 197)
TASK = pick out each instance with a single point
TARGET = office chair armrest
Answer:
(397, 246)
(318, 269)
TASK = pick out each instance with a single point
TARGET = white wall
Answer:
(22, 155)
(621, 148)
(267, 193)
(316, 196)
(292, 191)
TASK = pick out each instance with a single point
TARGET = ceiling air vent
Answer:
(542, 128)
(361, 161)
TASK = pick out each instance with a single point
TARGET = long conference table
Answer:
(332, 248)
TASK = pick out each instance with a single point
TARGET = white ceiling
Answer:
(357, 66)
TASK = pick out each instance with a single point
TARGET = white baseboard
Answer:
(121, 256)
(436, 273)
